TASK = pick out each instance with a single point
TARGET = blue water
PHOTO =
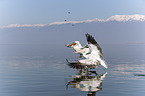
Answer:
(41, 70)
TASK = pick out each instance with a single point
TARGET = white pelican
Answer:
(92, 53)
(95, 55)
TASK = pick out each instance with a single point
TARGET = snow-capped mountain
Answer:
(126, 18)
(118, 29)
(119, 18)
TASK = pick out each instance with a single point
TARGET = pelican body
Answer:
(92, 52)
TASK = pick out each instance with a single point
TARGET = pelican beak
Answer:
(71, 44)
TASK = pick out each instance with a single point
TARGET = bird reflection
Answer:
(86, 80)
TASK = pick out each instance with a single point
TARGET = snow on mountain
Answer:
(124, 18)
(118, 29)
(119, 18)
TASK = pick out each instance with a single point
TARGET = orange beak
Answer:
(71, 44)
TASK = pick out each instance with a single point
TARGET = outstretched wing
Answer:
(92, 41)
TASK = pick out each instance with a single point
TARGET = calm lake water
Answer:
(42, 70)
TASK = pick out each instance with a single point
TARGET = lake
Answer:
(42, 70)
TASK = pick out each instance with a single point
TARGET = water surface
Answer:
(41, 70)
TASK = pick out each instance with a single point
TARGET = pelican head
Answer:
(76, 43)
(76, 46)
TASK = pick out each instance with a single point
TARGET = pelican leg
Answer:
(81, 51)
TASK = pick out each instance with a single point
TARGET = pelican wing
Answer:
(92, 41)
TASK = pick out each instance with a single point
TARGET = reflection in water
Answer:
(86, 80)
(139, 74)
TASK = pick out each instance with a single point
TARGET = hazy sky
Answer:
(47, 11)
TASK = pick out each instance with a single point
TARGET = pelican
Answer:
(95, 55)
(92, 53)
(79, 49)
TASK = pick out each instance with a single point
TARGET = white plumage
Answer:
(92, 52)
(79, 49)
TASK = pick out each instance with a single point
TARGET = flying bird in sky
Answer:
(68, 12)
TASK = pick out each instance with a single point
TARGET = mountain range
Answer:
(118, 29)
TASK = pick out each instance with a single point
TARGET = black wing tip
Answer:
(90, 39)
(87, 35)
